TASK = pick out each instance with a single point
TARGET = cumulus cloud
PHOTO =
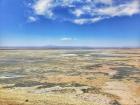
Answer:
(86, 11)
(78, 12)
(43, 7)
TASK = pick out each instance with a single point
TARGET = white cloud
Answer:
(78, 12)
(121, 10)
(32, 19)
(67, 39)
(43, 7)
(86, 11)
(84, 20)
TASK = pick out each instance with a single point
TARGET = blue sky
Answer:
(97, 23)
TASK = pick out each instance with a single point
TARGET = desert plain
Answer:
(70, 77)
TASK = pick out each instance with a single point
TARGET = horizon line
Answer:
(65, 47)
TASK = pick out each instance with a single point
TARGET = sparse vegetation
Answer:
(69, 77)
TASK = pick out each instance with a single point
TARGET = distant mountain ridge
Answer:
(58, 47)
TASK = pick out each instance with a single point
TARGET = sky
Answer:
(95, 23)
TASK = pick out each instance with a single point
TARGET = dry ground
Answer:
(70, 77)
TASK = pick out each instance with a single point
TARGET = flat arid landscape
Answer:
(70, 77)
(69, 52)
